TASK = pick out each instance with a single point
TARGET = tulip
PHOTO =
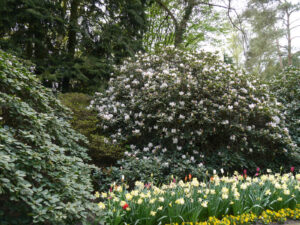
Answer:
(125, 206)
(292, 169)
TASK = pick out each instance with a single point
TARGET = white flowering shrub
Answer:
(191, 107)
(286, 87)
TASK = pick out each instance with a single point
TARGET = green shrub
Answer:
(286, 87)
(44, 175)
(85, 122)
(148, 170)
(191, 107)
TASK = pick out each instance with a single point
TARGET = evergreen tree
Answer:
(73, 42)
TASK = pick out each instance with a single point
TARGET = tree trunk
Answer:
(72, 41)
(279, 54)
(289, 39)
(72, 28)
(181, 28)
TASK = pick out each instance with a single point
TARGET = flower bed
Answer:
(266, 217)
(194, 201)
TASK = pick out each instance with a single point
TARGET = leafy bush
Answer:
(177, 105)
(149, 170)
(85, 122)
(286, 87)
(44, 175)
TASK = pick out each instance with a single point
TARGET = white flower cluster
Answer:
(176, 101)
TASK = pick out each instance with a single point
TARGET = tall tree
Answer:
(181, 23)
(270, 23)
(73, 42)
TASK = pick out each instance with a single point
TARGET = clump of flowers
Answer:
(192, 107)
(267, 217)
(223, 200)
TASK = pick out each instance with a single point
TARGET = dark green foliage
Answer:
(44, 175)
(73, 42)
(85, 122)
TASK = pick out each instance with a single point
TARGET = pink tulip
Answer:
(257, 169)
(256, 174)
(245, 172)
(292, 169)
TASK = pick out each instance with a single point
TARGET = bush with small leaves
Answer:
(44, 175)
(187, 106)
(85, 122)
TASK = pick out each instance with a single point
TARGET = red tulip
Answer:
(125, 206)
(292, 169)
(245, 172)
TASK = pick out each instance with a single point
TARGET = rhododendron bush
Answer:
(286, 87)
(191, 106)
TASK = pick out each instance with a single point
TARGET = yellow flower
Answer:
(122, 203)
(268, 192)
(224, 196)
(128, 196)
(97, 195)
(279, 199)
(160, 208)
(195, 182)
(140, 201)
(103, 195)
(204, 204)
(152, 213)
(225, 190)
(179, 201)
(286, 192)
(152, 200)
(101, 205)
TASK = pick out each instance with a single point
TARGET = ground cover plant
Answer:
(183, 108)
(44, 175)
(196, 201)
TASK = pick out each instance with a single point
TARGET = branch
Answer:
(294, 21)
(295, 37)
(211, 4)
(168, 11)
(295, 27)
(234, 25)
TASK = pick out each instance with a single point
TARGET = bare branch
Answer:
(159, 2)
(295, 37)
(239, 28)
(294, 27)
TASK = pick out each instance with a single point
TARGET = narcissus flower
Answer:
(101, 205)
(179, 201)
